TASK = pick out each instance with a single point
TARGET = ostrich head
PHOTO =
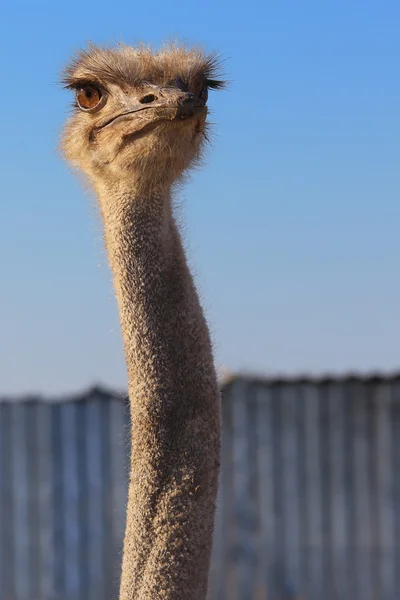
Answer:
(137, 111)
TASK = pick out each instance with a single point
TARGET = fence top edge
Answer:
(372, 378)
(226, 383)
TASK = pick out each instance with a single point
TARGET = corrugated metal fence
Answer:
(309, 502)
(63, 481)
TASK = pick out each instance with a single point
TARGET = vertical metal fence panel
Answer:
(313, 493)
(33, 498)
(44, 544)
(7, 540)
(227, 584)
(384, 491)
(94, 500)
(263, 438)
(290, 492)
(302, 501)
(338, 525)
(21, 495)
(81, 421)
(308, 506)
(362, 496)
(254, 512)
(244, 550)
(351, 548)
(395, 419)
(57, 481)
(69, 467)
(277, 576)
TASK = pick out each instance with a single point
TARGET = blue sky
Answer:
(293, 224)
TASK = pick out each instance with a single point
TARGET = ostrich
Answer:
(139, 123)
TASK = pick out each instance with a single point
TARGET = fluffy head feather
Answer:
(143, 123)
(132, 66)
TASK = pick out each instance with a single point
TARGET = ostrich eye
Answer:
(204, 94)
(88, 97)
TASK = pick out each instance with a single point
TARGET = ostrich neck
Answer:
(174, 401)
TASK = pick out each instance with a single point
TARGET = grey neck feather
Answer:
(174, 401)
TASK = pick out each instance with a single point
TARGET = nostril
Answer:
(148, 98)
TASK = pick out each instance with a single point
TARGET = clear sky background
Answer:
(293, 224)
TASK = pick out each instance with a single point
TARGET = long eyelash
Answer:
(75, 84)
(216, 84)
(212, 69)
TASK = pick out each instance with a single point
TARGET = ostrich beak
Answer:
(170, 104)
